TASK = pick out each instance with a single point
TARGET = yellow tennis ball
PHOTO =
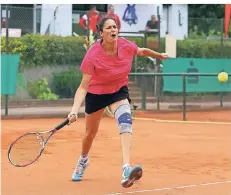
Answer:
(223, 77)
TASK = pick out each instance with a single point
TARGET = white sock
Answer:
(125, 166)
(84, 158)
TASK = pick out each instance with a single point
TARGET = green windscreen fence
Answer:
(196, 83)
(9, 70)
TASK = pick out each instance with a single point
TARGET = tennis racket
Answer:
(27, 148)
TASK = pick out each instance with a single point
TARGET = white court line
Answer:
(178, 121)
(171, 188)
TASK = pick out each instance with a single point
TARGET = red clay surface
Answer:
(214, 116)
(172, 154)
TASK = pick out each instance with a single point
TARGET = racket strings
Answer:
(26, 149)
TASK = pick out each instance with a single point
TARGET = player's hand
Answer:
(72, 117)
(163, 56)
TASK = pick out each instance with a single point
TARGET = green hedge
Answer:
(37, 50)
(203, 49)
(196, 48)
(66, 83)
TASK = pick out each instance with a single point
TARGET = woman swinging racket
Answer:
(105, 69)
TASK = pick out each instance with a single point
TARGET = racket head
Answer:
(26, 149)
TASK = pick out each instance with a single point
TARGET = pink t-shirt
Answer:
(109, 73)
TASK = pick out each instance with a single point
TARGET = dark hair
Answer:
(110, 6)
(102, 22)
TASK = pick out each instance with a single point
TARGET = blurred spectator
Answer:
(93, 17)
(3, 22)
(111, 13)
(152, 24)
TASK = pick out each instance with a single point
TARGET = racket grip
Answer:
(61, 125)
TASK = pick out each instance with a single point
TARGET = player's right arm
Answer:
(87, 68)
(80, 95)
(81, 92)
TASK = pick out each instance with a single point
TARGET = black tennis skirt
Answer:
(95, 102)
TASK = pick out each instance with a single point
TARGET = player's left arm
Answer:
(150, 53)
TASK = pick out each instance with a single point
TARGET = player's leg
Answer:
(92, 125)
(122, 114)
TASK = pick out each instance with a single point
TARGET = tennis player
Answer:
(105, 69)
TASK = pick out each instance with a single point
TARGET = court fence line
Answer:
(184, 88)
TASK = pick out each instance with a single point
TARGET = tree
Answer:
(205, 20)
(206, 11)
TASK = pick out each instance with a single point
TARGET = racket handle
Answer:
(61, 125)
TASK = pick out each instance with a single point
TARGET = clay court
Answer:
(177, 157)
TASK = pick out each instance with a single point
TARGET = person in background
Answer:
(3, 23)
(94, 17)
(111, 13)
(152, 24)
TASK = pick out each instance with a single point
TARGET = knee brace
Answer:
(124, 119)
